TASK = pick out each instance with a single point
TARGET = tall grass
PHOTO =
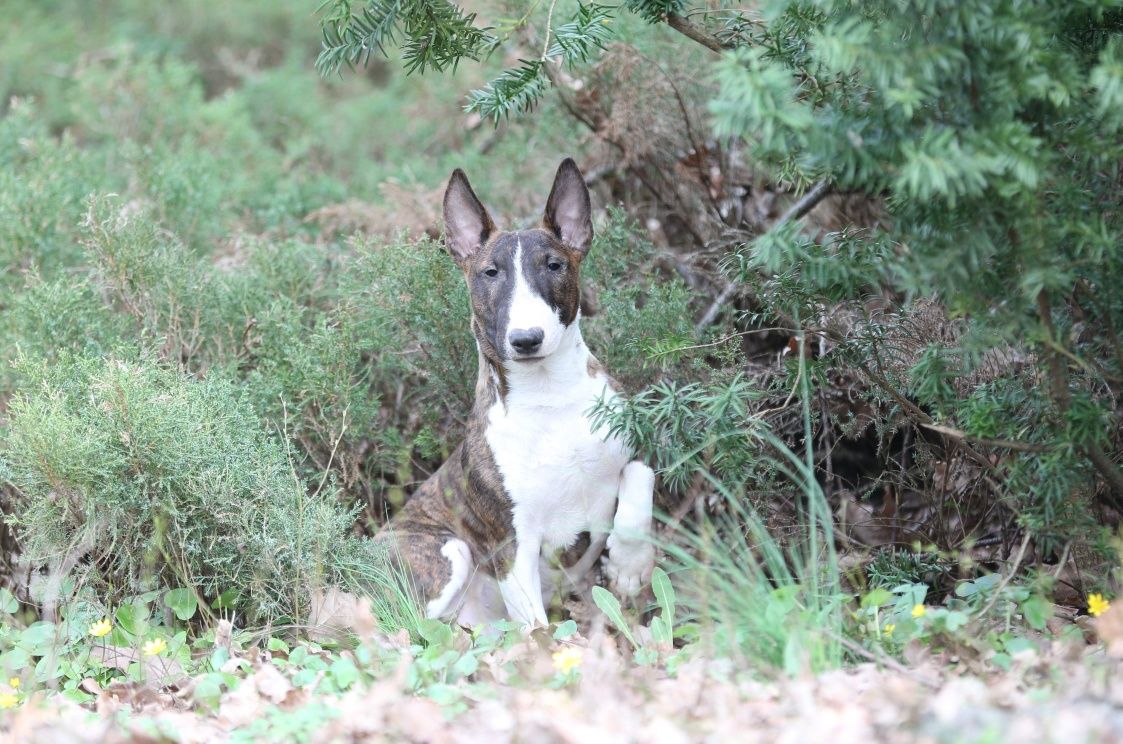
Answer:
(773, 604)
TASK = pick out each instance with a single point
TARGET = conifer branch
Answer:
(690, 31)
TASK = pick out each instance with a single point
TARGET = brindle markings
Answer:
(466, 497)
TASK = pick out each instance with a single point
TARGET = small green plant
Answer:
(990, 617)
(661, 630)
(895, 567)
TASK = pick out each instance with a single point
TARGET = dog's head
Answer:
(525, 285)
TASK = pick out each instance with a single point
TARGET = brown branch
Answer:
(689, 30)
(806, 203)
(953, 433)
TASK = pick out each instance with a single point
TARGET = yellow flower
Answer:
(101, 628)
(157, 646)
(568, 658)
(919, 610)
(8, 700)
(888, 629)
(14, 683)
(1097, 605)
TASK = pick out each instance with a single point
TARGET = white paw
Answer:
(629, 564)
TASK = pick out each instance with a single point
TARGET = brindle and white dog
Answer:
(532, 474)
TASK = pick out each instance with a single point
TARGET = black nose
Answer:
(526, 340)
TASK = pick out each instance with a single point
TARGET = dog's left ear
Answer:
(568, 212)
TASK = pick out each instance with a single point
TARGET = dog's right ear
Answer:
(467, 223)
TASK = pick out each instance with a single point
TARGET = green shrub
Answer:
(154, 479)
(998, 205)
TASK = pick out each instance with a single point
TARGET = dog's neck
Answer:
(545, 382)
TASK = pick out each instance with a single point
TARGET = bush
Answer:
(152, 479)
(989, 142)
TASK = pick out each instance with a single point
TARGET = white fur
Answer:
(562, 475)
(529, 310)
(483, 602)
(631, 554)
(460, 556)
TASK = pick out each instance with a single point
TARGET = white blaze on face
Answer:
(530, 310)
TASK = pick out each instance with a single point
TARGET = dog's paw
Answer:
(629, 565)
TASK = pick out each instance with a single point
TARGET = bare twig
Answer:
(710, 315)
(953, 433)
(806, 203)
(803, 205)
(549, 28)
(331, 458)
(883, 658)
(692, 347)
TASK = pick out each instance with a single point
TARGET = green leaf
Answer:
(48, 669)
(15, 661)
(1037, 610)
(304, 677)
(435, 632)
(183, 603)
(466, 665)
(1017, 645)
(298, 655)
(344, 672)
(77, 696)
(8, 602)
(208, 690)
(227, 600)
(443, 694)
(133, 618)
(277, 645)
(877, 597)
(610, 606)
(219, 657)
(661, 632)
(37, 639)
(664, 595)
(955, 620)
(565, 630)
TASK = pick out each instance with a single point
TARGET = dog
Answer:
(532, 474)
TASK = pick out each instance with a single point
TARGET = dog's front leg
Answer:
(631, 554)
(522, 589)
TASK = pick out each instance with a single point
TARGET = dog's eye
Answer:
(554, 266)
(493, 272)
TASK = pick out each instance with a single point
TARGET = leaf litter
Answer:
(1058, 691)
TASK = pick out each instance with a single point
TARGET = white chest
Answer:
(562, 476)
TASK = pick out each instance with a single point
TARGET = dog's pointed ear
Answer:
(467, 223)
(568, 211)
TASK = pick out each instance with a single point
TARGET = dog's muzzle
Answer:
(526, 341)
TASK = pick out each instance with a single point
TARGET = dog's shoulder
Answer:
(598, 371)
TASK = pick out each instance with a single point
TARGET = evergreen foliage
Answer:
(990, 145)
(989, 135)
(434, 34)
(152, 479)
